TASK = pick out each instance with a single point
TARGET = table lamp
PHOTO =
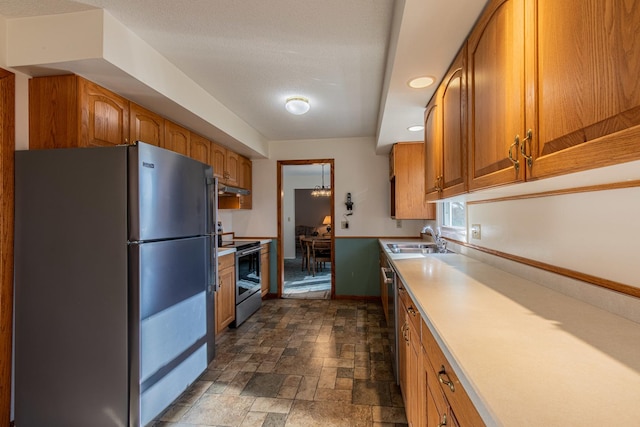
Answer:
(327, 221)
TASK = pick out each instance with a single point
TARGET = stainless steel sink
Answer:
(414, 248)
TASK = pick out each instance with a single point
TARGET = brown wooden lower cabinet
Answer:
(444, 384)
(433, 395)
(226, 294)
(264, 269)
(412, 383)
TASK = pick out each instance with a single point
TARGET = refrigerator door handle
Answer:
(212, 271)
(212, 189)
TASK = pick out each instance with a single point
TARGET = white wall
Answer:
(357, 170)
(595, 232)
(22, 92)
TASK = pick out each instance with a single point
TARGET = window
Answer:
(454, 214)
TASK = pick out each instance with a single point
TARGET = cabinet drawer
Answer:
(433, 384)
(226, 261)
(412, 312)
(457, 397)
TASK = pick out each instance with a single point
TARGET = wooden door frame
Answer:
(7, 150)
(282, 163)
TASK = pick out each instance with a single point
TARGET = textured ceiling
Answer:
(351, 58)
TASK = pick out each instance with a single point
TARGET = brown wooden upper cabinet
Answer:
(225, 164)
(553, 89)
(69, 111)
(432, 150)
(176, 138)
(145, 126)
(496, 94)
(586, 109)
(445, 134)
(407, 182)
(452, 97)
(245, 181)
(200, 148)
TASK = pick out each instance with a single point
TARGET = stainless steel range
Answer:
(248, 296)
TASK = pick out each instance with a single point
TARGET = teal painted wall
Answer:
(357, 267)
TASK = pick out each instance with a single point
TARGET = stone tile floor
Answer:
(297, 363)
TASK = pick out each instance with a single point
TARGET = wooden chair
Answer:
(321, 253)
(305, 252)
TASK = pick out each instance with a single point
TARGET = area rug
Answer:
(298, 283)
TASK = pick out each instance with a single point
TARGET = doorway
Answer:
(304, 225)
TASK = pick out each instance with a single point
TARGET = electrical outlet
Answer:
(344, 224)
(398, 223)
(476, 231)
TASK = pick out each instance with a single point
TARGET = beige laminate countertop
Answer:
(527, 355)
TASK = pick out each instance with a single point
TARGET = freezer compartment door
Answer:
(171, 304)
(169, 194)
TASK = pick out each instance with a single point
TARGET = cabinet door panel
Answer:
(264, 273)
(233, 166)
(496, 93)
(225, 299)
(453, 102)
(146, 126)
(105, 116)
(588, 91)
(200, 148)
(432, 153)
(218, 160)
(176, 138)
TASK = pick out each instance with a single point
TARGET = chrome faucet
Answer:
(436, 236)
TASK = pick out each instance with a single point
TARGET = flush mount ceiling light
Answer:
(421, 82)
(415, 128)
(297, 105)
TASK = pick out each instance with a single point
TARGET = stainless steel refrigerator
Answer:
(115, 265)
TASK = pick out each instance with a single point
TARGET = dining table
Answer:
(308, 242)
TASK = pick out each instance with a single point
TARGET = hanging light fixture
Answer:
(321, 191)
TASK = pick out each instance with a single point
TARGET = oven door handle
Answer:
(248, 251)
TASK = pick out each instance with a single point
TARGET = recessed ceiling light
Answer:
(421, 82)
(297, 105)
(415, 128)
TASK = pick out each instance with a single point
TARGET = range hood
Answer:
(227, 190)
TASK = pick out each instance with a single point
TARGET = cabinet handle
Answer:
(446, 382)
(412, 311)
(443, 423)
(405, 329)
(523, 148)
(386, 279)
(516, 163)
(438, 186)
